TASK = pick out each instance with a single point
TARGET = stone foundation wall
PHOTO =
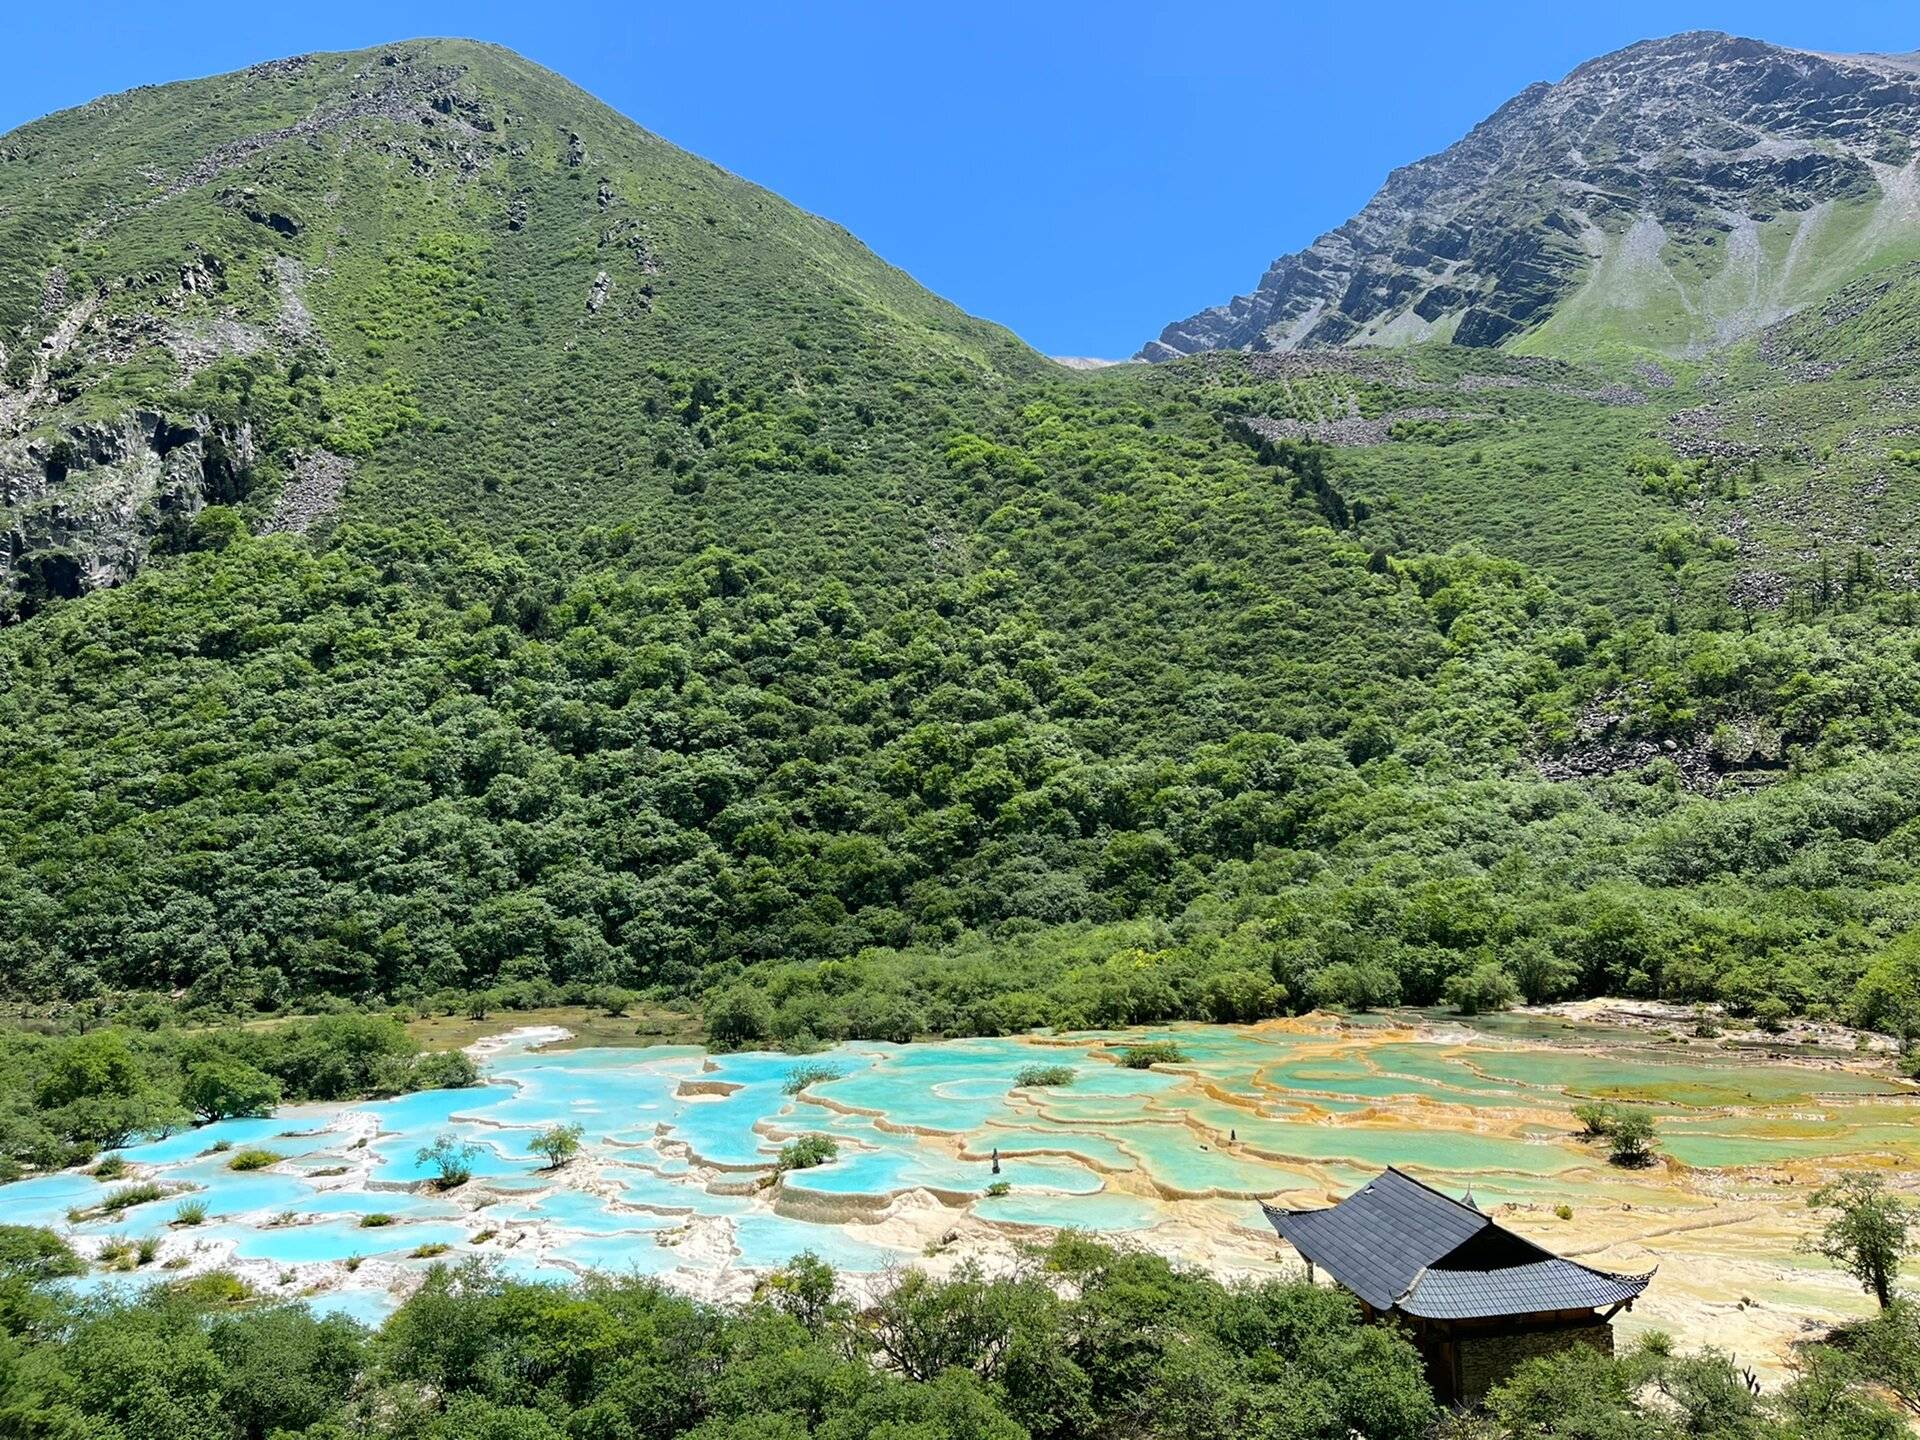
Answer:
(1486, 1360)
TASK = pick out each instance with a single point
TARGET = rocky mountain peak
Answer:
(1674, 195)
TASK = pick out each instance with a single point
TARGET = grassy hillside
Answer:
(451, 273)
(1646, 291)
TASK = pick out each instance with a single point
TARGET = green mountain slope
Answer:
(705, 600)
(434, 266)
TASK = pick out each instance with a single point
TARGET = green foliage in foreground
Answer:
(1088, 1342)
(1084, 1343)
(1653, 1393)
(1869, 1231)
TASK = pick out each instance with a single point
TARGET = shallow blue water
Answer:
(671, 1133)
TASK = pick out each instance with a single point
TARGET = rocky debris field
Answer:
(312, 492)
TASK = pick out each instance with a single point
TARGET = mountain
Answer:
(1671, 197)
(460, 543)
(260, 290)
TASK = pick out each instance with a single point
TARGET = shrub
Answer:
(999, 1187)
(145, 1249)
(611, 1000)
(429, 1250)
(1627, 1129)
(1563, 1212)
(558, 1143)
(1149, 1053)
(1482, 990)
(255, 1159)
(30, 1253)
(1595, 1117)
(737, 1018)
(375, 1221)
(190, 1212)
(1043, 1076)
(1346, 985)
(1771, 1014)
(127, 1196)
(216, 1089)
(450, 1158)
(215, 1288)
(444, 1070)
(805, 1152)
(110, 1168)
(814, 1072)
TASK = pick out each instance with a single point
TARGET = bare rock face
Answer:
(82, 511)
(1701, 176)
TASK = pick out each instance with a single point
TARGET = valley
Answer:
(617, 822)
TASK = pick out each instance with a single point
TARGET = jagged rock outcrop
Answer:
(1677, 194)
(83, 510)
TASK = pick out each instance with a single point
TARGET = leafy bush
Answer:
(30, 1253)
(1482, 990)
(190, 1212)
(558, 1143)
(376, 1220)
(450, 1158)
(445, 1070)
(1044, 1076)
(128, 1196)
(217, 1089)
(1149, 1053)
(812, 1073)
(806, 1151)
(254, 1159)
(1627, 1129)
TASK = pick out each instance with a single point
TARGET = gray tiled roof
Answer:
(1399, 1244)
(1550, 1284)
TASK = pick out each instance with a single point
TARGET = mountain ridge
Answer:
(409, 235)
(1592, 214)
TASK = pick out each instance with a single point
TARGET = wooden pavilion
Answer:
(1477, 1299)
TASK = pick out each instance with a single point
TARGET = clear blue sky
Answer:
(1083, 173)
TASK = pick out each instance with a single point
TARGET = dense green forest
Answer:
(1159, 689)
(1085, 1342)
